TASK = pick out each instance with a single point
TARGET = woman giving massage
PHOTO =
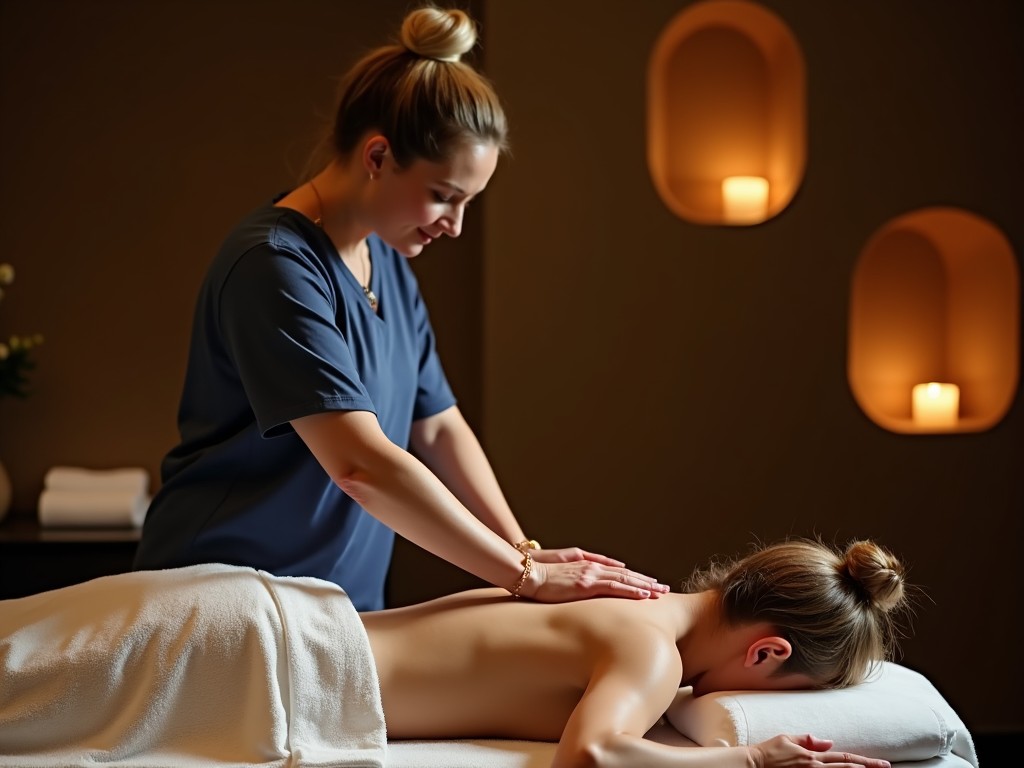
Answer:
(169, 661)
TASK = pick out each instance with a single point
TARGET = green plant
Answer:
(16, 353)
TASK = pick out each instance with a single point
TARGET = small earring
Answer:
(373, 176)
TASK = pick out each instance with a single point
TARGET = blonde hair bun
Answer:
(434, 33)
(877, 571)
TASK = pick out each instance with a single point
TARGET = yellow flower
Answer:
(17, 352)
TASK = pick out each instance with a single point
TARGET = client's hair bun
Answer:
(877, 572)
(438, 34)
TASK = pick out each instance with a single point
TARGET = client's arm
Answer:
(630, 690)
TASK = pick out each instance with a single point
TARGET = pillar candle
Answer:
(745, 199)
(936, 405)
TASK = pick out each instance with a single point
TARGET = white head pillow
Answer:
(897, 715)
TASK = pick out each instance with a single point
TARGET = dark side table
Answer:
(35, 559)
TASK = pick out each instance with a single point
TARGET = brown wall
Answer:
(664, 391)
(652, 389)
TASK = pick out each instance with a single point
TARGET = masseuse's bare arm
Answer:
(631, 688)
(397, 489)
(447, 445)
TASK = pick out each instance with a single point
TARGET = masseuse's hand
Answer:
(562, 575)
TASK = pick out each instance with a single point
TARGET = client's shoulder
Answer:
(616, 622)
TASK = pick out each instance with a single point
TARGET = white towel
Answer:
(209, 665)
(896, 715)
(85, 508)
(133, 479)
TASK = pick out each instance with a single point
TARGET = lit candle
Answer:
(936, 405)
(745, 199)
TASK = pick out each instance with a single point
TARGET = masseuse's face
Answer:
(420, 203)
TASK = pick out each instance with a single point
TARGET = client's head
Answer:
(832, 611)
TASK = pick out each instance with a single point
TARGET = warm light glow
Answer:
(745, 199)
(936, 405)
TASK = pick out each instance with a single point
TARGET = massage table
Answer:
(532, 754)
(219, 666)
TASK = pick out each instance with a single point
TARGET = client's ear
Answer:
(768, 651)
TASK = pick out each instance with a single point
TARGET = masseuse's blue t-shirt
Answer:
(282, 330)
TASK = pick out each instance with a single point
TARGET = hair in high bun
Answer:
(878, 574)
(835, 609)
(418, 94)
(436, 34)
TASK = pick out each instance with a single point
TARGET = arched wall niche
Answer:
(935, 298)
(726, 97)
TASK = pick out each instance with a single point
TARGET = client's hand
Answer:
(807, 751)
(563, 575)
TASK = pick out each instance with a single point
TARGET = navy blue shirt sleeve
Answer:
(278, 321)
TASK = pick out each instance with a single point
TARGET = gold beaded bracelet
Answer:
(526, 544)
(527, 568)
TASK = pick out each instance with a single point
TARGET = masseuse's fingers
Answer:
(571, 554)
(582, 579)
(575, 554)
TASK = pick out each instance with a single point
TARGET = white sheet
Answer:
(238, 675)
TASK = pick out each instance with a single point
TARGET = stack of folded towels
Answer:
(76, 497)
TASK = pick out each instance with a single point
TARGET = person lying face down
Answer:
(216, 664)
(597, 675)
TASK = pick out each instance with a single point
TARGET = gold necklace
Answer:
(371, 297)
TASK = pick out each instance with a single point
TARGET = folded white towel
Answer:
(133, 479)
(77, 508)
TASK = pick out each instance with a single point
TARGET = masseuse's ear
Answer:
(375, 150)
(768, 652)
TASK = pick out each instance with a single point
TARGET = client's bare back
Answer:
(481, 664)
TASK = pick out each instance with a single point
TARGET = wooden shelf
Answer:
(28, 530)
(35, 559)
